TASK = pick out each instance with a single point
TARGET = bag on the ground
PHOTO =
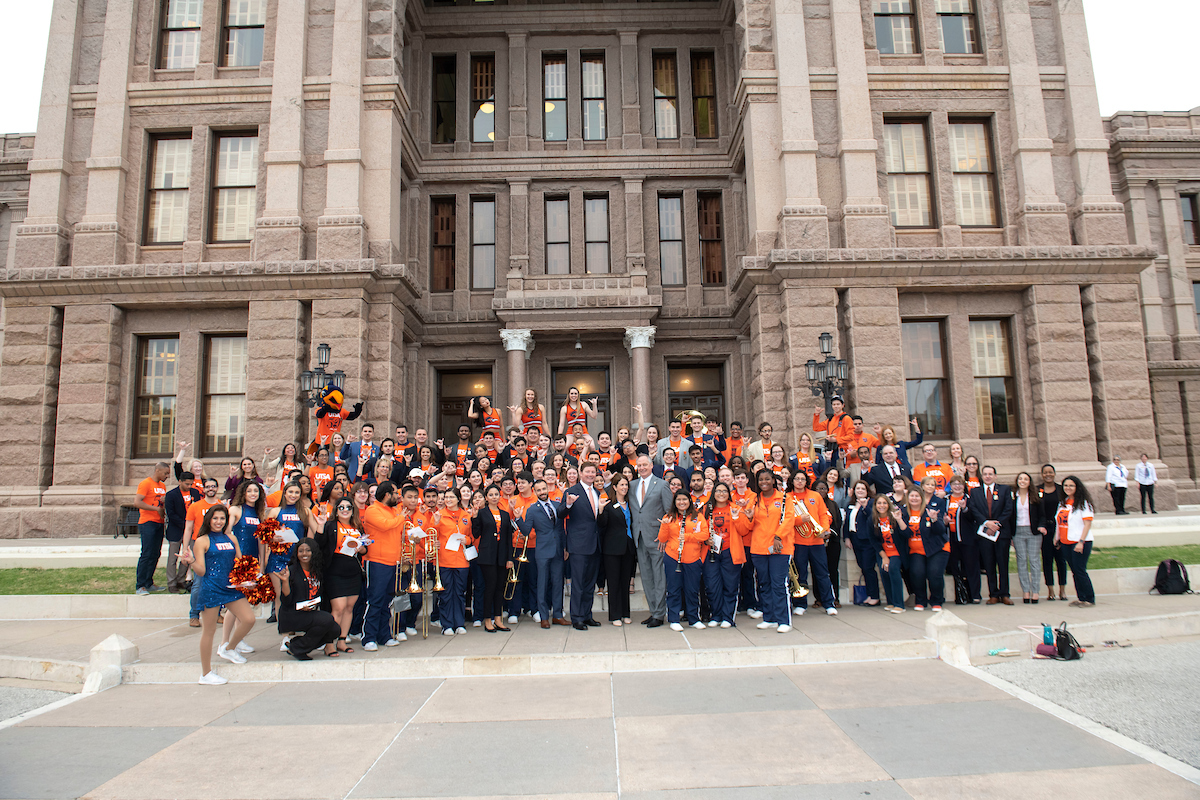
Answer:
(962, 592)
(1172, 578)
(1066, 645)
(860, 592)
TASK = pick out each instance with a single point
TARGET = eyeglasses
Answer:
(344, 508)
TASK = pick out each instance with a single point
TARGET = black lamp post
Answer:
(826, 378)
(314, 381)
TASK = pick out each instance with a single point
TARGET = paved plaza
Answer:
(918, 728)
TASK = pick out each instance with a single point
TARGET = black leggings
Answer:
(491, 603)
(1052, 555)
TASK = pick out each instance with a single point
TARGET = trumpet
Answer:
(433, 551)
(805, 522)
(798, 589)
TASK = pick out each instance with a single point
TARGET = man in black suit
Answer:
(991, 505)
(583, 504)
(546, 519)
(880, 476)
(175, 504)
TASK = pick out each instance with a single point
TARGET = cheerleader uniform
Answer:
(289, 517)
(218, 561)
(576, 415)
(491, 421)
(531, 420)
(244, 530)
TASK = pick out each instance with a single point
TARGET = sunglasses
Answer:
(344, 508)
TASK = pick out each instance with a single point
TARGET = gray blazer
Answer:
(645, 517)
(684, 461)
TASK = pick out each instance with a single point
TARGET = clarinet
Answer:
(679, 557)
(713, 550)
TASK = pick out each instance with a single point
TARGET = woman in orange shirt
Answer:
(683, 537)
(769, 525)
(971, 473)
(723, 566)
(888, 534)
(484, 415)
(320, 473)
(454, 536)
(530, 416)
(809, 545)
(926, 555)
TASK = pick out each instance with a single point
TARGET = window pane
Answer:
(483, 99)
(233, 217)
(156, 402)
(555, 95)
(953, 6)
(974, 200)
(1191, 225)
(994, 405)
(483, 251)
(593, 77)
(595, 219)
(664, 76)
(666, 118)
(908, 198)
(444, 94)
(168, 217)
(172, 164)
(893, 6)
(989, 348)
(596, 255)
(244, 48)
(927, 402)
(181, 50)
(593, 120)
(225, 424)
(156, 425)
(670, 218)
(904, 147)
(558, 259)
(712, 255)
(704, 91)
(969, 148)
(247, 12)
(483, 222)
(922, 343)
(237, 161)
(894, 35)
(158, 366)
(442, 239)
(558, 227)
(671, 256)
(958, 34)
(227, 359)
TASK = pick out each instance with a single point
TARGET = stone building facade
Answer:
(663, 203)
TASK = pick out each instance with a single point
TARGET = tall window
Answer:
(234, 192)
(894, 29)
(167, 204)
(956, 24)
(156, 387)
(666, 96)
(712, 249)
(483, 98)
(995, 396)
(925, 376)
(180, 38)
(908, 174)
(704, 95)
(554, 96)
(670, 240)
(244, 21)
(1191, 218)
(442, 238)
(974, 176)
(595, 234)
(592, 77)
(558, 236)
(225, 396)
(483, 243)
(444, 94)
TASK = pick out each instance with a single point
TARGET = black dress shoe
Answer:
(299, 656)
(579, 626)
(591, 623)
(654, 623)
(647, 620)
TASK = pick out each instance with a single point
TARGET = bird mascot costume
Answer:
(330, 414)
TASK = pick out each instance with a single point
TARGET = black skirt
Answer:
(343, 578)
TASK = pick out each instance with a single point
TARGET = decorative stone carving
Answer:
(517, 339)
(639, 336)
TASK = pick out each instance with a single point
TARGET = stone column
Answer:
(518, 228)
(518, 103)
(1158, 341)
(804, 222)
(1187, 341)
(30, 364)
(277, 337)
(17, 210)
(1064, 428)
(1042, 217)
(43, 241)
(638, 341)
(635, 237)
(876, 386)
(389, 387)
(631, 108)
(518, 342)
(1097, 217)
(279, 234)
(805, 314)
(341, 229)
(865, 218)
(342, 324)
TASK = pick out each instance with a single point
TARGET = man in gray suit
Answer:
(649, 501)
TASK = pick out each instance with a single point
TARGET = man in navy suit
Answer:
(352, 453)
(992, 506)
(546, 519)
(881, 475)
(583, 504)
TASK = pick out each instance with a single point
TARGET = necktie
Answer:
(642, 492)
(549, 512)
(893, 470)
(592, 500)
(989, 491)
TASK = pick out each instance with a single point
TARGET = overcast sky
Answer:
(1144, 56)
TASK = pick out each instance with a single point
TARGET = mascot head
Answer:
(332, 398)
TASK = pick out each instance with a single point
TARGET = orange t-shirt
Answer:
(733, 447)
(319, 476)
(452, 523)
(855, 441)
(915, 545)
(152, 493)
(274, 499)
(196, 512)
(940, 472)
(517, 506)
(889, 546)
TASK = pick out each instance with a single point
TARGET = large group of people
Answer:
(497, 523)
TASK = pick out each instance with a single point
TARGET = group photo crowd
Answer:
(362, 541)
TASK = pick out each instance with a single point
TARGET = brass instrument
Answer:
(805, 522)
(685, 416)
(679, 558)
(433, 549)
(798, 589)
(514, 572)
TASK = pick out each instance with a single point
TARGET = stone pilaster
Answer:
(279, 233)
(1097, 217)
(806, 313)
(635, 237)
(29, 372)
(865, 218)
(876, 386)
(1042, 217)
(518, 226)
(278, 339)
(1182, 300)
(1175, 446)
(639, 340)
(341, 229)
(518, 344)
(44, 239)
(1058, 375)
(389, 390)
(631, 108)
(518, 103)
(1158, 341)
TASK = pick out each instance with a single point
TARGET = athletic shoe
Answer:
(402, 637)
(918, 608)
(392, 642)
(831, 611)
(370, 647)
(477, 623)
(244, 648)
(459, 630)
(698, 625)
(762, 626)
(411, 631)
(754, 613)
(888, 607)
(212, 679)
(448, 632)
(675, 626)
(357, 636)
(896, 610)
(512, 620)
(283, 646)
(784, 628)
(537, 616)
(142, 591)
(799, 612)
(194, 622)
(712, 623)
(726, 624)
(936, 608)
(234, 656)
(157, 589)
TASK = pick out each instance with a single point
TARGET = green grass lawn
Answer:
(1116, 557)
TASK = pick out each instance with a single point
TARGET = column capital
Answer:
(640, 336)
(517, 339)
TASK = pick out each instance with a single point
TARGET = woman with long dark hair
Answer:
(1026, 539)
(341, 546)
(888, 532)
(1074, 518)
(480, 412)
(927, 555)
(299, 606)
(492, 530)
(812, 525)
(246, 470)
(683, 535)
(620, 553)
(723, 565)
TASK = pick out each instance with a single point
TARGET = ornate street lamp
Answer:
(313, 381)
(826, 378)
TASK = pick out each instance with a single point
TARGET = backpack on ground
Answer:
(1066, 645)
(1172, 578)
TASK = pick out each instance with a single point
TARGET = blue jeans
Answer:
(1083, 582)
(683, 589)
(893, 582)
(721, 579)
(772, 573)
(380, 589)
(935, 576)
(151, 534)
(867, 557)
(814, 554)
(194, 608)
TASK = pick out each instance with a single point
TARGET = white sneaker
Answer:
(918, 608)
(410, 631)
(460, 630)
(762, 626)
(356, 636)
(370, 647)
(401, 637)
(235, 656)
(726, 624)
(675, 626)
(799, 612)
(212, 679)
(831, 611)
(448, 632)
(712, 623)
(537, 616)
(754, 613)
(244, 648)
(512, 620)
(698, 625)
(784, 628)
(477, 623)
(283, 645)
(896, 610)
(392, 642)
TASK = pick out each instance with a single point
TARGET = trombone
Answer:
(514, 572)
(808, 525)
(433, 549)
